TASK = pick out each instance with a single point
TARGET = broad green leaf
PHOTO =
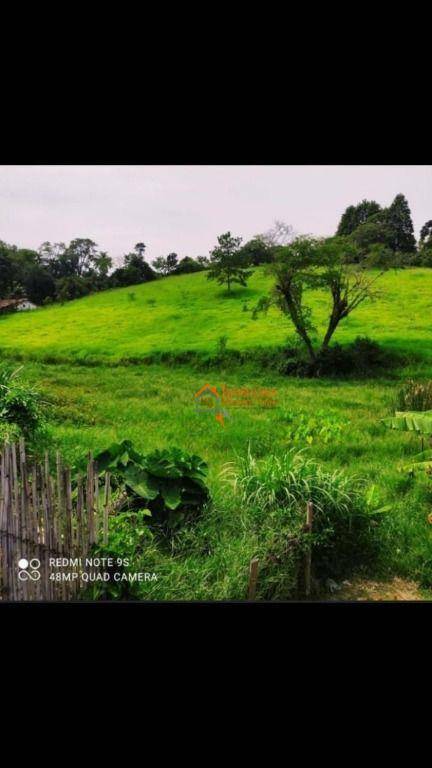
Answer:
(138, 480)
(410, 421)
(171, 495)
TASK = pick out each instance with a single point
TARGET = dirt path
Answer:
(366, 589)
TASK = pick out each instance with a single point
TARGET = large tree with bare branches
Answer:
(318, 264)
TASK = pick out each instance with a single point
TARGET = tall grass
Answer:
(414, 396)
(277, 488)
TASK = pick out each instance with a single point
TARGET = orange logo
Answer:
(208, 400)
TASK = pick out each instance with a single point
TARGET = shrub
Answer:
(361, 358)
(425, 257)
(9, 433)
(129, 537)
(21, 407)
(170, 483)
(414, 396)
(422, 258)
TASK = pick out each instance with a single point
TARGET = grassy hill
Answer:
(336, 421)
(189, 312)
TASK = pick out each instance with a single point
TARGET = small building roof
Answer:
(5, 303)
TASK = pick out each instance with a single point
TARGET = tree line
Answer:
(60, 272)
(371, 235)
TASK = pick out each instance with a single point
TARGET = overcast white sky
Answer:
(183, 208)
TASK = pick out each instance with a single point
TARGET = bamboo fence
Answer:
(44, 515)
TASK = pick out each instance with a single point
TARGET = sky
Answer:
(183, 208)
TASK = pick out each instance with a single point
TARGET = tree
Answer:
(7, 271)
(188, 265)
(426, 235)
(424, 257)
(371, 233)
(134, 270)
(172, 261)
(102, 263)
(166, 265)
(51, 257)
(400, 223)
(76, 259)
(256, 251)
(311, 264)
(348, 222)
(160, 265)
(39, 285)
(80, 255)
(71, 287)
(226, 262)
(24, 260)
(355, 215)
(140, 248)
(280, 233)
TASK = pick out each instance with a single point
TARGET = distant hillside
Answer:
(190, 313)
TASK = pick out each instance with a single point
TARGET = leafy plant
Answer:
(419, 422)
(129, 537)
(307, 429)
(170, 483)
(410, 421)
(117, 457)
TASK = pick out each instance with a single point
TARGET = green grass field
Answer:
(189, 312)
(154, 407)
(153, 404)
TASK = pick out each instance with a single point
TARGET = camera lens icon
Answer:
(28, 569)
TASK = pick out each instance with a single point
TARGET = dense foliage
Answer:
(391, 228)
(59, 272)
(355, 215)
(170, 484)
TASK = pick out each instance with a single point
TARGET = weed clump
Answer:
(414, 396)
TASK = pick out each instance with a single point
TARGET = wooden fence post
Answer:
(308, 557)
(90, 499)
(253, 578)
(107, 498)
